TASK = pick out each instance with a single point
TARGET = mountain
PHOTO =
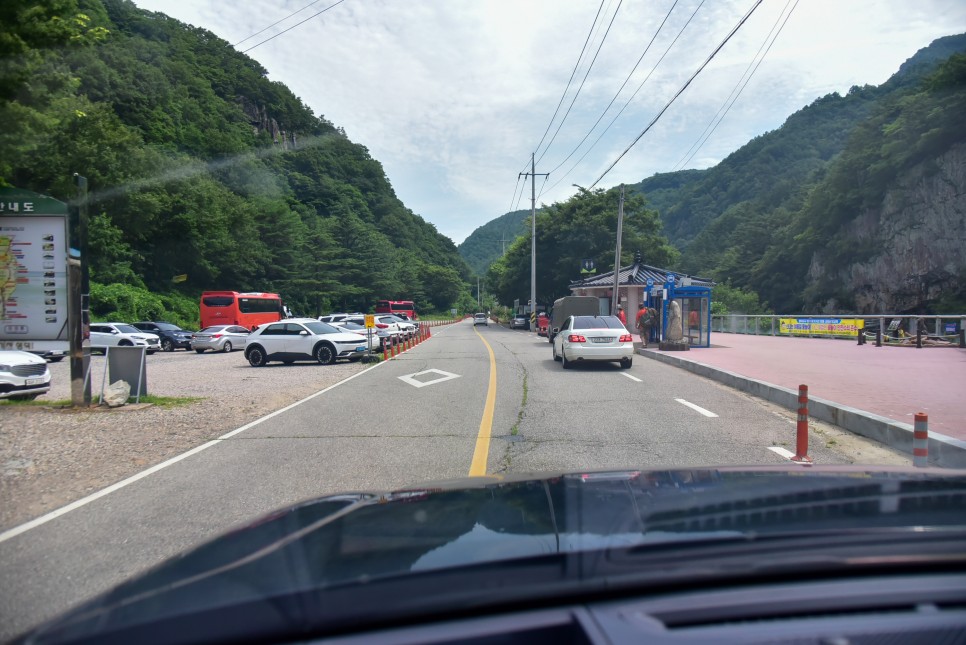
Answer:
(489, 242)
(199, 165)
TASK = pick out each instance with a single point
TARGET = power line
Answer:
(584, 80)
(680, 91)
(275, 23)
(621, 89)
(739, 86)
(631, 98)
(572, 74)
(293, 26)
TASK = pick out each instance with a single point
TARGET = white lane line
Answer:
(696, 408)
(43, 519)
(633, 378)
(787, 454)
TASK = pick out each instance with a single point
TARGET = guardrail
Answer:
(894, 328)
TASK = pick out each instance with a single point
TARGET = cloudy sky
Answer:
(452, 96)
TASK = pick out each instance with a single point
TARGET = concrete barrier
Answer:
(943, 451)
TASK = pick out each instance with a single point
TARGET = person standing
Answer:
(643, 322)
(621, 315)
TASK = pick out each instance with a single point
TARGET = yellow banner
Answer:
(822, 326)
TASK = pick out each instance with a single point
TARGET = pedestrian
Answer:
(644, 321)
(620, 314)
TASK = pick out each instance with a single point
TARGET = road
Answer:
(415, 418)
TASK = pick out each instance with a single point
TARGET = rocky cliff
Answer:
(918, 233)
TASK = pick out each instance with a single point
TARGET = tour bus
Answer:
(397, 307)
(246, 309)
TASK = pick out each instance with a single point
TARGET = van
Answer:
(568, 306)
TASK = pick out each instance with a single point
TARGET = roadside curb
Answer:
(943, 450)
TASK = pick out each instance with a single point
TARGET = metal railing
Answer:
(943, 326)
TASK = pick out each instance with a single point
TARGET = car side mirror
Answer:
(114, 331)
(303, 333)
(556, 330)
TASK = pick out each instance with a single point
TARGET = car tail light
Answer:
(382, 326)
(576, 338)
(217, 335)
(627, 338)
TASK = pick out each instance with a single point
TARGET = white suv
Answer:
(23, 375)
(302, 339)
(114, 334)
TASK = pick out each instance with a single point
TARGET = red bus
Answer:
(246, 309)
(397, 307)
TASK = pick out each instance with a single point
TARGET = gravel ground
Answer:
(52, 456)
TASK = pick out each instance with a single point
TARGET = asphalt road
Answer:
(406, 421)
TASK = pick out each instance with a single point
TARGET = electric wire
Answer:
(680, 91)
(572, 74)
(275, 23)
(739, 86)
(621, 89)
(584, 80)
(336, 4)
(632, 96)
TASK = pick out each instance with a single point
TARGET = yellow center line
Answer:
(482, 451)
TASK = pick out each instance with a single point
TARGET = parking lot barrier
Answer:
(385, 351)
(920, 440)
(801, 433)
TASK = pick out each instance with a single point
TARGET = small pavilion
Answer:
(656, 288)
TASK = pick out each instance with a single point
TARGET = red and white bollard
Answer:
(920, 441)
(801, 430)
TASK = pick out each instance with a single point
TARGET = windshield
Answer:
(751, 214)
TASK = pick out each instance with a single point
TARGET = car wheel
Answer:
(125, 343)
(226, 347)
(626, 363)
(151, 351)
(199, 351)
(324, 354)
(563, 357)
(256, 356)
(167, 345)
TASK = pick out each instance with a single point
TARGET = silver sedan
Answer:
(220, 338)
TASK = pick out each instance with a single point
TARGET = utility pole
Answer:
(533, 230)
(617, 255)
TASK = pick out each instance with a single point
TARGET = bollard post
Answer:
(878, 337)
(920, 440)
(918, 336)
(385, 351)
(801, 430)
(962, 337)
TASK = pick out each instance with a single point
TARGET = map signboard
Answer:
(33, 271)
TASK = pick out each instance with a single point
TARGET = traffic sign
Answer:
(370, 321)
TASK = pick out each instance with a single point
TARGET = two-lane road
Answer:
(483, 392)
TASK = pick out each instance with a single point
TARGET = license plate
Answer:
(34, 381)
(602, 340)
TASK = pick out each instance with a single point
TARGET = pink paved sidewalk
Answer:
(893, 382)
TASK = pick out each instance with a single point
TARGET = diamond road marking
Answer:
(443, 376)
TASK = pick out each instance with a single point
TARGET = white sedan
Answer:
(115, 334)
(593, 338)
(23, 375)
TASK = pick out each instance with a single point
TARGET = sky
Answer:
(453, 96)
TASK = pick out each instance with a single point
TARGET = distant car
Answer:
(113, 334)
(23, 376)
(520, 321)
(407, 327)
(398, 329)
(302, 339)
(593, 338)
(480, 319)
(379, 338)
(172, 336)
(331, 318)
(219, 338)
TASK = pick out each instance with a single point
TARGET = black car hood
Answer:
(338, 543)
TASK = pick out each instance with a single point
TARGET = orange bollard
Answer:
(385, 352)
(801, 434)
(920, 441)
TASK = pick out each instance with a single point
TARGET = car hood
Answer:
(13, 357)
(336, 547)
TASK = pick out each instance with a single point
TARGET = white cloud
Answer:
(452, 96)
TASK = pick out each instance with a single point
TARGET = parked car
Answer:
(331, 318)
(302, 339)
(593, 338)
(172, 336)
(23, 376)
(380, 337)
(115, 334)
(397, 328)
(480, 319)
(220, 338)
(520, 321)
(408, 328)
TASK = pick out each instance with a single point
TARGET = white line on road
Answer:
(43, 519)
(633, 378)
(696, 408)
(788, 454)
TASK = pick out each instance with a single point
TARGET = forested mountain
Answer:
(490, 241)
(198, 164)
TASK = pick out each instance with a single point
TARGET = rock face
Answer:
(258, 117)
(918, 234)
